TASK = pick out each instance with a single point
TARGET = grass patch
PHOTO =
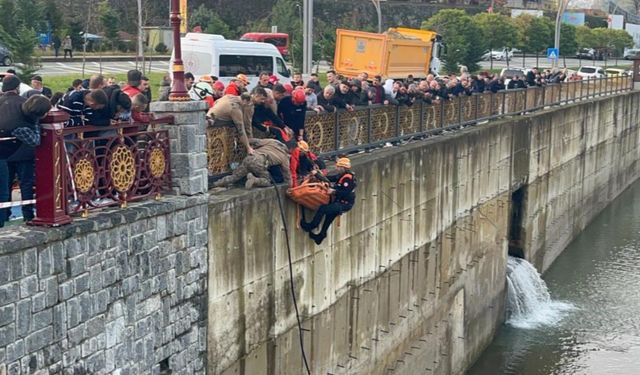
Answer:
(63, 82)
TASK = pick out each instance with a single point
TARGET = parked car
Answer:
(589, 54)
(592, 72)
(509, 73)
(631, 53)
(5, 56)
(23, 86)
(498, 55)
(613, 72)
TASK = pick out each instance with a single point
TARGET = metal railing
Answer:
(330, 134)
(83, 168)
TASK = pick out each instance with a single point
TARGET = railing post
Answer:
(421, 123)
(477, 103)
(369, 126)
(588, 84)
(504, 103)
(459, 109)
(524, 105)
(397, 120)
(442, 113)
(336, 132)
(51, 173)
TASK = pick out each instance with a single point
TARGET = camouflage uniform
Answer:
(268, 153)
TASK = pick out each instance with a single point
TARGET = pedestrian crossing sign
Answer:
(552, 53)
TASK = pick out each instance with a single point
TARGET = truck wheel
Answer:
(6, 61)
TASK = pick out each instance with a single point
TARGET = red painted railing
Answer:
(83, 168)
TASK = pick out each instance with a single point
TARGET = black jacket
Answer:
(292, 115)
(326, 104)
(262, 114)
(11, 117)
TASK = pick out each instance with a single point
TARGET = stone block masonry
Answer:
(122, 292)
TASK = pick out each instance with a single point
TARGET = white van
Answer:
(213, 54)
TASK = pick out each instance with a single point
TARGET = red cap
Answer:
(288, 87)
(273, 79)
(298, 97)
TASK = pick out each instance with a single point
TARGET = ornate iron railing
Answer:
(329, 134)
(83, 168)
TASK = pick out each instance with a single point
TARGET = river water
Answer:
(591, 325)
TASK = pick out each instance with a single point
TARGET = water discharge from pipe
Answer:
(529, 304)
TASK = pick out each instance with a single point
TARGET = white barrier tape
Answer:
(17, 204)
(7, 139)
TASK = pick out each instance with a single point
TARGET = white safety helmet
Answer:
(200, 90)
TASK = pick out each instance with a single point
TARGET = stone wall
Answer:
(413, 280)
(122, 292)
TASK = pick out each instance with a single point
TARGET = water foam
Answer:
(529, 304)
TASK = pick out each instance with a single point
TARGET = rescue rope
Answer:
(291, 282)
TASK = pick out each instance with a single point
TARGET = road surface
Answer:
(62, 68)
(106, 68)
(546, 63)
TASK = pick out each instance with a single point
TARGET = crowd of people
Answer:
(97, 101)
(269, 118)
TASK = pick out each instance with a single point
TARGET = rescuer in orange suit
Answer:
(344, 197)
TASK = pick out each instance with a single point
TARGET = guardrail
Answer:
(330, 134)
(83, 168)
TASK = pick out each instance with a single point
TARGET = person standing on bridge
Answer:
(292, 109)
(67, 47)
(344, 197)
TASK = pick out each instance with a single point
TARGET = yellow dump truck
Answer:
(394, 54)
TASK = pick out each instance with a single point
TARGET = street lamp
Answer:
(178, 91)
(376, 3)
(562, 6)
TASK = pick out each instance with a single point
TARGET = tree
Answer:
(617, 41)
(568, 43)
(109, 20)
(465, 44)
(535, 34)
(584, 37)
(21, 43)
(285, 15)
(497, 31)
(53, 15)
(29, 14)
(8, 19)
(210, 22)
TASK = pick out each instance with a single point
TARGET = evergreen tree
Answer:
(465, 44)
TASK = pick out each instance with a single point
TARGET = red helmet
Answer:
(298, 97)
(288, 87)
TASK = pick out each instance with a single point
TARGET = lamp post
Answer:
(562, 6)
(178, 91)
(376, 4)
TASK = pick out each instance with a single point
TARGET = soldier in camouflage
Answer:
(269, 155)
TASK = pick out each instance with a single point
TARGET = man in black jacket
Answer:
(531, 77)
(10, 108)
(22, 162)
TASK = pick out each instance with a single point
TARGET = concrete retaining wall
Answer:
(414, 278)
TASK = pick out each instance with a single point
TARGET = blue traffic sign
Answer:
(553, 53)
